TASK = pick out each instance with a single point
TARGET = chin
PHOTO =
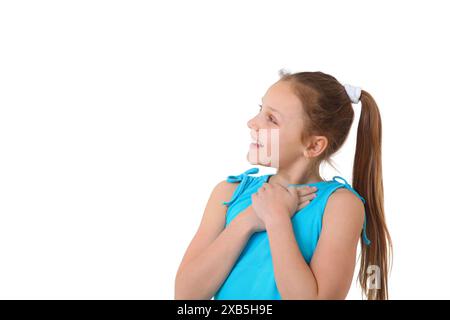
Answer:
(250, 160)
(253, 159)
(257, 163)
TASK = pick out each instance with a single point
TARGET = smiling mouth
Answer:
(257, 144)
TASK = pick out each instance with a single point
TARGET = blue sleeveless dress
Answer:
(252, 276)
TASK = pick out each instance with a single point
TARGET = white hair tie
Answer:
(354, 93)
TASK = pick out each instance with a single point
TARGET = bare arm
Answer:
(213, 250)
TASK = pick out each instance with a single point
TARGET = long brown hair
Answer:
(330, 113)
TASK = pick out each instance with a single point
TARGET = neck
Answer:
(297, 173)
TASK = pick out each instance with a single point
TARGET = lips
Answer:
(254, 137)
(257, 144)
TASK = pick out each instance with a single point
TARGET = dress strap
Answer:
(243, 178)
(349, 187)
(242, 175)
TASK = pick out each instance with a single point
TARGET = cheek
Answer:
(272, 139)
(279, 140)
(289, 145)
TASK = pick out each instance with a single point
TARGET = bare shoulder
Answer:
(333, 262)
(345, 196)
(344, 207)
(224, 190)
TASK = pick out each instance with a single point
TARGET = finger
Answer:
(292, 190)
(276, 184)
(302, 191)
(307, 197)
(302, 205)
(305, 190)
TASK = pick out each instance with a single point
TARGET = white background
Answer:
(117, 118)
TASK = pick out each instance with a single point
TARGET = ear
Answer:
(316, 145)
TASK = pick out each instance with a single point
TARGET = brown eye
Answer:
(272, 119)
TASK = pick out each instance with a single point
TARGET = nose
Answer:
(252, 123)
(253, 129)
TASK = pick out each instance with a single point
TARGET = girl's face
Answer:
(277, 127)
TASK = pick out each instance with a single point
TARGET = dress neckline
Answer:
(268, 176)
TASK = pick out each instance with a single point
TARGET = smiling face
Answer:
(277, 128)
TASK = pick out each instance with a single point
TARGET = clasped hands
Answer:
(274, 201)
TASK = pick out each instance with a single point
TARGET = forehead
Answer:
(281, 97)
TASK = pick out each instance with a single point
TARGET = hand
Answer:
(249, 216)
(305, 195)
(273, 200)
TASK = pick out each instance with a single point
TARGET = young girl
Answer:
(293, 235)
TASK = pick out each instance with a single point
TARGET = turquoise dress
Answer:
(252, 276)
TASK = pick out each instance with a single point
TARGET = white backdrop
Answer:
(117, 118)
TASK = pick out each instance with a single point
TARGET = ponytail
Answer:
(368, 181)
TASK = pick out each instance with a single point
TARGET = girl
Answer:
(294, 235)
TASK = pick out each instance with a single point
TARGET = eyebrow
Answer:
(275, 110)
